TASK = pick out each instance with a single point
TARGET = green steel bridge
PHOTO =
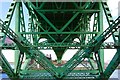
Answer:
(60, 23)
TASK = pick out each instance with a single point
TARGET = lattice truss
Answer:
(59, 24)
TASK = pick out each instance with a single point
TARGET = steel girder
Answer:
(66, 35)
(32, 53)
(66, 71)
(6, 67)
(44, 46)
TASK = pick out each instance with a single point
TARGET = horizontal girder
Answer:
(45, 45)
(72, 75)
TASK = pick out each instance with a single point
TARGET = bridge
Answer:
(59, 23)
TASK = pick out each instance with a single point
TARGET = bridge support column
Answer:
(100, 26)
(17, 30)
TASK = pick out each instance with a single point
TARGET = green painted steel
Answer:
(66, 36)
(47, 46)
(6, 67)
(34, 54)
(17, 30)
(9, 16)
(60, 23)
(112, 66)
(80, 55)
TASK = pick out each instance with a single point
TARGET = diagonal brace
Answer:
(66, 25)
(6, 66)
(45, 18)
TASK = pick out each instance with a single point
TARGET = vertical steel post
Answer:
(100, 29)
(17, 30)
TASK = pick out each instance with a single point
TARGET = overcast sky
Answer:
(113, 5)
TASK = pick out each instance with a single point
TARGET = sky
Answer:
(113, 5)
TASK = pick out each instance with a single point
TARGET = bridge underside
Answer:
(59, 24)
